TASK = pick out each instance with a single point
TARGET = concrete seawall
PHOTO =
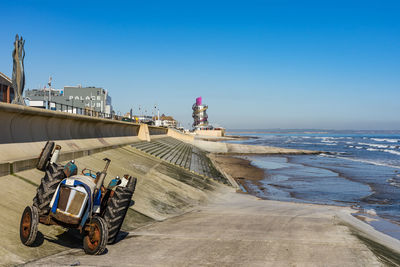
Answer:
(24, 130)
(25, 124)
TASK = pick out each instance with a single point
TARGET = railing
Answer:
(81, 111)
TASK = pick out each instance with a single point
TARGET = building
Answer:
(6, 89)
(165, 121)
(72, 99)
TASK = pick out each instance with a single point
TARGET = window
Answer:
(2, 94)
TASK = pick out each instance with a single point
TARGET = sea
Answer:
(360, 169)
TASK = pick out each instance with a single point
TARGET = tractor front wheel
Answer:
(29, 225)
(96, 236)
(45, 156)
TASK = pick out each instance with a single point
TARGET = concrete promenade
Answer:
(236, 230)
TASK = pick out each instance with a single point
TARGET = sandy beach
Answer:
(239, 168)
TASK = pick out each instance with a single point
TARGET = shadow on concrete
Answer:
(70, 238)
(121, 236)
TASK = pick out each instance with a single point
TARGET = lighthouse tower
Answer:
(199, 115)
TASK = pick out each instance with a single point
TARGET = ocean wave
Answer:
(392, 151)
(327, 138)
(327, 144)
(373, 145)
(389, 140)
(377, 163)
(373, 149)
(393, 182)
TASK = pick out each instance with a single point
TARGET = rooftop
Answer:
(6, 78)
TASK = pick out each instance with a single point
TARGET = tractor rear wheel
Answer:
(45, 156)
(96, 236)
(29, 225)
(117, 208)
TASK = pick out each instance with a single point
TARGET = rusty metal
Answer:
(93, 237)
(26, 225)
(59, 216)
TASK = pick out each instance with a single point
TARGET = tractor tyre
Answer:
(117, 208)
(45, 156)
(46, 189)
(29, 225)
(95, 238)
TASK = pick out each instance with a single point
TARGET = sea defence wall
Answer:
(24, 131)
(212, 133)
(179, 135)
(218, 147)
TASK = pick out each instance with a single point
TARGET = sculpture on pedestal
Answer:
(18, 74)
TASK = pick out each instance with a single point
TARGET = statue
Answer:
(18, 75)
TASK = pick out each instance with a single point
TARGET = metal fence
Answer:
(81, 111)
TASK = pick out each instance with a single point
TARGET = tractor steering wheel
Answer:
(89, 172)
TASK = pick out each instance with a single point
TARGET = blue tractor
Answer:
(79, 201)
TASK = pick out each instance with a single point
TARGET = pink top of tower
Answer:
(198, 101)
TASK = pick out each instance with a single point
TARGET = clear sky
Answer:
(257, 64)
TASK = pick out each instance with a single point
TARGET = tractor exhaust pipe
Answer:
(55, 155)
(102, 175)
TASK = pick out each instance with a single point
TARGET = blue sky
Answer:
(257, 64)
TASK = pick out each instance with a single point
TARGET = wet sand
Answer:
(240, 169)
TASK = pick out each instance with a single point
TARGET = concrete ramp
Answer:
(183, 155)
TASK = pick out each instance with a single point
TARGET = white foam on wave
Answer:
(392, 151)
(370, 212)
(373, 149)
(363, 161)
(389, 140)
(358, 147)
(327, 144)
(373, 145)
(328, 140)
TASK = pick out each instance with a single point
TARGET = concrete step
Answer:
(174, 153)
(168, 152)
